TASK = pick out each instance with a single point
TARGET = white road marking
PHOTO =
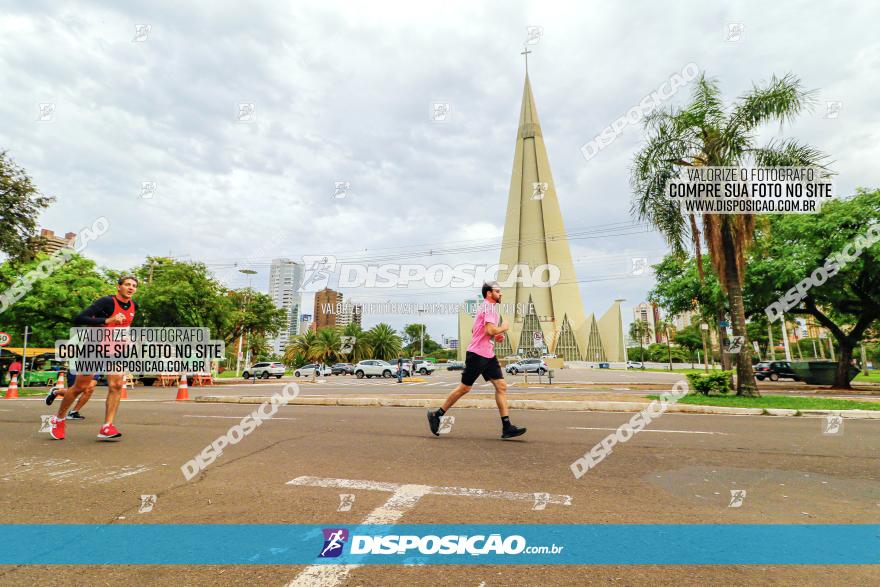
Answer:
(643, 430)
(403, 498)
(236, 417)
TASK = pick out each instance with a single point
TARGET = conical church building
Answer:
(535, 236)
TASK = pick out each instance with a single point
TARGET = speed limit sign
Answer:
(4, 339)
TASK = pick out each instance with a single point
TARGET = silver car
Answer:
(313, 369)
(527, 366)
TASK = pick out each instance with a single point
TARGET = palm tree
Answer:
(640, 330)
(305, 345)
(362, 349)
(704, 133)
(664, 326)
(327, 343)
(384, 341)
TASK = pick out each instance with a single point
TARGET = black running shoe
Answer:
(75, 416)
(512, 431)
(434, 422)
(50, 397)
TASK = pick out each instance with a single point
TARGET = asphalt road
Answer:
(682, 471)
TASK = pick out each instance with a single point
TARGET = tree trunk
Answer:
(745, 377)
(841, 376)
(723, 357)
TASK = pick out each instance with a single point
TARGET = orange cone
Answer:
(12, 390)
(59, 385)
(182, 389)
(124, 394)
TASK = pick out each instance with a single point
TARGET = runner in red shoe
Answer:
(107, 312)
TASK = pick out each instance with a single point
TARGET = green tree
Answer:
(639, 330)
(689, 338)
(20, 206)
(412, 340)
(302, 346)
(362, 349)
(384, 341)
(706, 133)
(183, 294)
(797, 246)
(665, 327)
(327, 345)
(253, 313)
(51, 303)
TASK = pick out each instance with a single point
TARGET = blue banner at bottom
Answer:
(468, 544)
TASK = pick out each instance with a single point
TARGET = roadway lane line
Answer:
(235, 417)
(403, 498)
(643, 430)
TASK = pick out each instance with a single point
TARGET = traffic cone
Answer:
(12, 390)
(182, 388)
(124, 394)
(59, 385)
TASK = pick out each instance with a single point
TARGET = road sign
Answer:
(538, 338)
(755, 345)
(4, 339)
(735, 344)
(724, 324)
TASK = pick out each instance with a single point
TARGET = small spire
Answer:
(526, 52)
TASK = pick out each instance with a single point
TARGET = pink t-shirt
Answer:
(481, 343)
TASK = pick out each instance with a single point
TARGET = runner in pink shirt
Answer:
(481, 360)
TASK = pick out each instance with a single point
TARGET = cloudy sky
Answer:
(344, 91)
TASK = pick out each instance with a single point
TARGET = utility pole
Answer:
(770, 335)
(864, 361)
(24, 357)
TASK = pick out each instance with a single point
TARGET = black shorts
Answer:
(476, 365)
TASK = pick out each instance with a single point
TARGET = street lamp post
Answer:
(422, 337)
(247, 272)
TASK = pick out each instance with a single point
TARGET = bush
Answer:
(718, 382)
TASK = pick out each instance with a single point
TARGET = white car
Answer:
(634, 365)
(374, 368)
(425, 367)
(313, 369)
(264, 370)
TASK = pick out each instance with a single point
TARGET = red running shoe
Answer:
(57, 429)
(108, 432)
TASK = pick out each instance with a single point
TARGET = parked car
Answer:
(342, 369)
(774, 370)
(527, 366)
(635, 365)
(264, 370)
(375, 368)
(424, 367)
(313, 369)
(455, 366)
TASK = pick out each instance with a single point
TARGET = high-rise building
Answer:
(285, 281)
(351, 314)
(535, 236)
(327, 303)
(47, 242)
(650, 313)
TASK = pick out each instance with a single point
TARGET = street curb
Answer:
(531, 404)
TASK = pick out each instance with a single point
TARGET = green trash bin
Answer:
(819, 372)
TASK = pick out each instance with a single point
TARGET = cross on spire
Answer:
(526, 53)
